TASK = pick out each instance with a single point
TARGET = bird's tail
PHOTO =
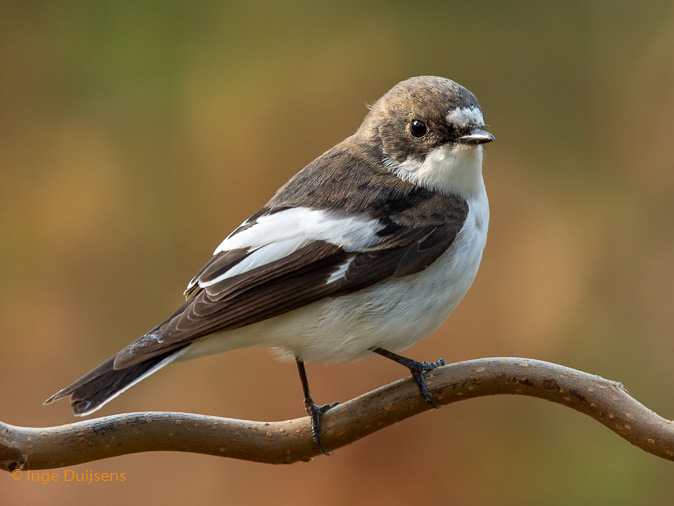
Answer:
(98, 387)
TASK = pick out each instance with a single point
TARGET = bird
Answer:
(365, 251)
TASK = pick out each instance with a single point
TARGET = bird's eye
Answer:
(418, 128)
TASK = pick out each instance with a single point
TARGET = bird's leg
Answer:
(313, 410)
(416, 368)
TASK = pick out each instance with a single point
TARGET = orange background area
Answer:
(135, 137)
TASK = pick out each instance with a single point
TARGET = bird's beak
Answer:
(476, 136)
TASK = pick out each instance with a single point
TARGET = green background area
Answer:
(134, 136)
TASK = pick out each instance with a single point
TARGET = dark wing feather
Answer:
(218, 264)
(423, 252)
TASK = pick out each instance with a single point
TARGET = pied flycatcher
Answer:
(367, 249)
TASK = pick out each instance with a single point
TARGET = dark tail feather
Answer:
(104, 383)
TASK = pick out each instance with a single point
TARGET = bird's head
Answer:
(430, 131)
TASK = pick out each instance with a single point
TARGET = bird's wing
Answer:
(283, 260)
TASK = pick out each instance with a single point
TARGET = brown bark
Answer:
(289, 441)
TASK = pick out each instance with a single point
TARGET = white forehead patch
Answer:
(465, 116)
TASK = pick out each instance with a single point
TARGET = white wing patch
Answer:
(304, 224)
(278, 235)
(463, 117)
(261, 256)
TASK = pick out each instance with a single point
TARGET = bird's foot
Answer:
(416, 368)
(315, 411)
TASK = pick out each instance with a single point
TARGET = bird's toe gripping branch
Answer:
(417, 369)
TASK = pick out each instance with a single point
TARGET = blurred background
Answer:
(135, 135)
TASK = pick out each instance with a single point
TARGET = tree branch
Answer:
(289, 441)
